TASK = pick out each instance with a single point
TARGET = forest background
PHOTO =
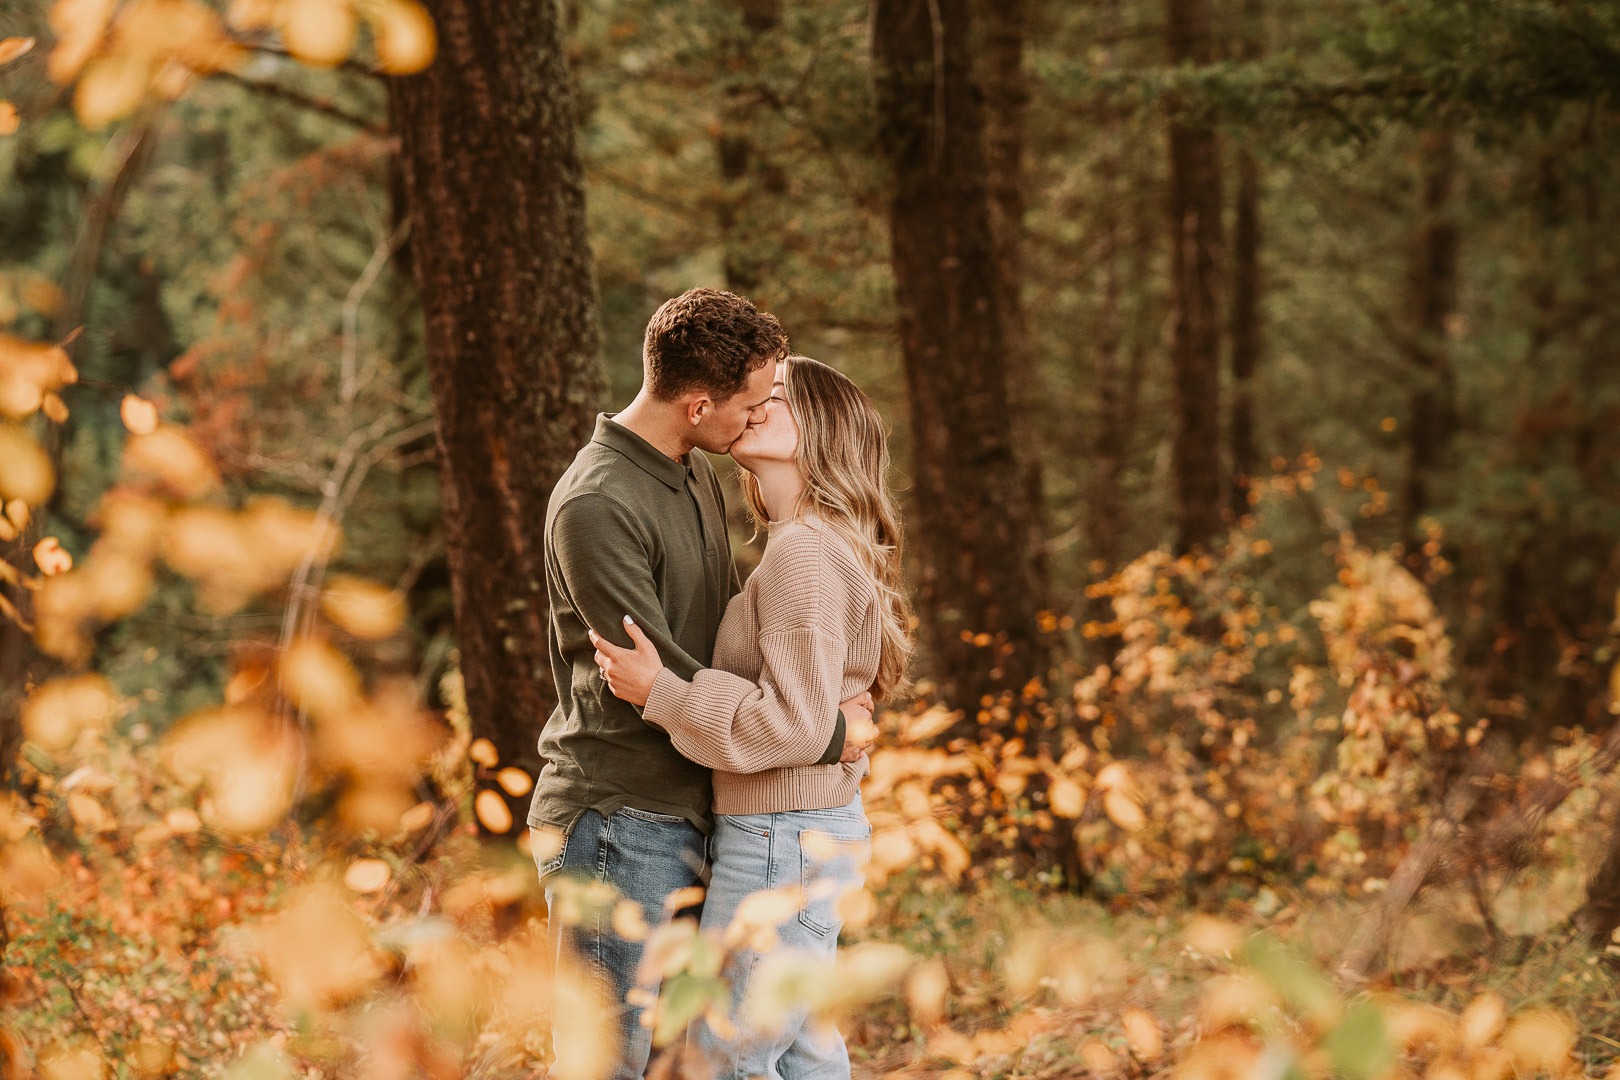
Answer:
(1252, 366)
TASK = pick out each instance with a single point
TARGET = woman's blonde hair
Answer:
(843, 456)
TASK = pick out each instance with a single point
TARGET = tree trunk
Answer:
(1434, 297)
(1246, 293)
(1004, 26)
(972, 518)
(495, 194)
(734, 141)
(1195, 219)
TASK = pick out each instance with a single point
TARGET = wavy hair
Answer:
(843, 456)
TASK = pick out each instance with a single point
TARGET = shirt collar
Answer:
(651, 460)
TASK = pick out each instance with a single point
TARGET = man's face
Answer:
(724, 421)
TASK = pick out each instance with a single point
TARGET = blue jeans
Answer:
(645, 856)
(767, 851)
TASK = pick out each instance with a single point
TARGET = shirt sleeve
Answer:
(790, 717)
(604, 559)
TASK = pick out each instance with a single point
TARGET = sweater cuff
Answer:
(835, 749)
(666, 700)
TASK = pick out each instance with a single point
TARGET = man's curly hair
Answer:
(709, 340)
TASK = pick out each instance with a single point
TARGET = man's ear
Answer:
(698, 406)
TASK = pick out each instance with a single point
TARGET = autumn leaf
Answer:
(110, 89)
(9, 120)
(139, 415)
(13, 47)
(367, 875)
(493, 812)
(51, 557)
(363, 608)
(514, 781)
(406, 39)
(318, 32)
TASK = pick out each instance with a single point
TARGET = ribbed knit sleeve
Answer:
(810, 599)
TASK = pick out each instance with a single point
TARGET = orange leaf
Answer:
(139, 415)
(367, 875)
(110, 89)
(515, 781)
(493, 812)
(406, 40)
(318, 32)
(1123, 811)
(51, 557)
(13, 47)
(9, 121)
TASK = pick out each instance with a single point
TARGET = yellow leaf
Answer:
(9, 120)
(320, 679)
(316, 950)
(1123, 811)
(110, 89)
(139, 415)
(13, 47)
(629, 922)
(363, 608)
(54, 408)
(252, 15)
(1142, 1034)
(1539, 1041)
(515, 782)
(927, 988)
(417, 817)
(1066, 798)
(765, 911)
(483, 752)
(680, 899)
(585, 1026)
(172, 457)
(28, 371)
(182, 820)
(1482, 1020)
(55, 713)
(51, 557)
(406, 40)
(936, 720)
(1098, 1058)
(87, 811)
(367, 875)
(82, 1063)
(25, 469)
(318, 32)
(493, 812)
(546, 843)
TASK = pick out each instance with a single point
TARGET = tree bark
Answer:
(740, 44)
(972, 514)
(494, 190)
(1247, 285)
(1432, 407)
(1195, 220)
(1004, 25)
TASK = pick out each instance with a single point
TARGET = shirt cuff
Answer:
(835, 749)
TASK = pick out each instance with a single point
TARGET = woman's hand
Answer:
(629, 673)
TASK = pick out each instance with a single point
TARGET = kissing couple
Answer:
(708, 731)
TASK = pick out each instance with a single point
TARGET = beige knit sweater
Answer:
(801, 637)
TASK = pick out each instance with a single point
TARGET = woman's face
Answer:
(776, 437)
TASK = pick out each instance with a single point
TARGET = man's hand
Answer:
(860, 734)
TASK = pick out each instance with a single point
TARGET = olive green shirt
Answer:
(630, 531)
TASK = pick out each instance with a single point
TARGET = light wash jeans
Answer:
(764, 851)
(645, 856)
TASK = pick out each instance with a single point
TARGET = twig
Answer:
(303, 101)
(351, 306)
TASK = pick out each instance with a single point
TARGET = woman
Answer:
(823, 618)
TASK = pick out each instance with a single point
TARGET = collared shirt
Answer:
(629, 531)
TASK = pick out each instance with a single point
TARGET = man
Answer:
(637, 527)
